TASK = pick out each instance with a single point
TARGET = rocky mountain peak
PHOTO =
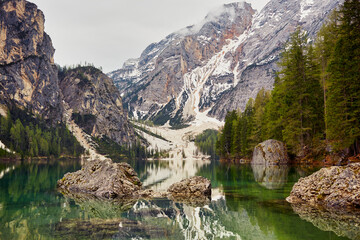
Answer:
(22, 32)
(157, 75)
(95, 104)
(259, 49)
(225, 17)
(30, 80)
(28, 76)
(215, 66)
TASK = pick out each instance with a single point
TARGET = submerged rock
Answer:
(103, 179)
(118, 228)
(270, 152)
(333, 187)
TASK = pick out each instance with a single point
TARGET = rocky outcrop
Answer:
(119, 182)
(28, 75)
(102, 179)
(333, 187)
(217, 65)
(193, 191)
(96, 104)
(270, 152)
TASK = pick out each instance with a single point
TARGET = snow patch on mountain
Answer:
(305, 8)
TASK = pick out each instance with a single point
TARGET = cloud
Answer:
(109, 32)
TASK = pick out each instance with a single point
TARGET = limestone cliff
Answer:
(28, 75)
(29, 78)
(96, 104)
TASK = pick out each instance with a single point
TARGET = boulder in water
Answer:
(103, 179)
(192, 191)
(333, 187)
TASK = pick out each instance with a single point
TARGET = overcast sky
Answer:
(108, 32)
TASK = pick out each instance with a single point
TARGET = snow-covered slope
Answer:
(216, 65)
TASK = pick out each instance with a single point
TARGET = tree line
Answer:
(31, 136)
(206, 142)
(315, 103)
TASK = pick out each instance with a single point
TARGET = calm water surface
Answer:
(247, 203)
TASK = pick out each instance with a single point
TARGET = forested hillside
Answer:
(315, 105)
(30, 136)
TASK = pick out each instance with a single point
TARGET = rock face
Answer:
(334, 187)
(194, 191)
(102, 179)
(217, 65)
(96, 104)
(270, 152)
(28, 75)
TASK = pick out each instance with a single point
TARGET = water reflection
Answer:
(342, 223)
(271, 176)
(29, 200)
(241, 208)
(159, 175)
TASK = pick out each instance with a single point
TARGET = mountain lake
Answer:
(247, 203)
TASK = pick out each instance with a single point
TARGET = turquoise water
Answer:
(248, 203)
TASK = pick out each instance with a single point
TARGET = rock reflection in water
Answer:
(343, 223)
(101, 208)
(271, 176)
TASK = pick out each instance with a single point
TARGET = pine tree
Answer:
(247, 122)
(343, 102)
(324, 48)
(295, 107)
(259, 121)
(225, 143)
(274, 112)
